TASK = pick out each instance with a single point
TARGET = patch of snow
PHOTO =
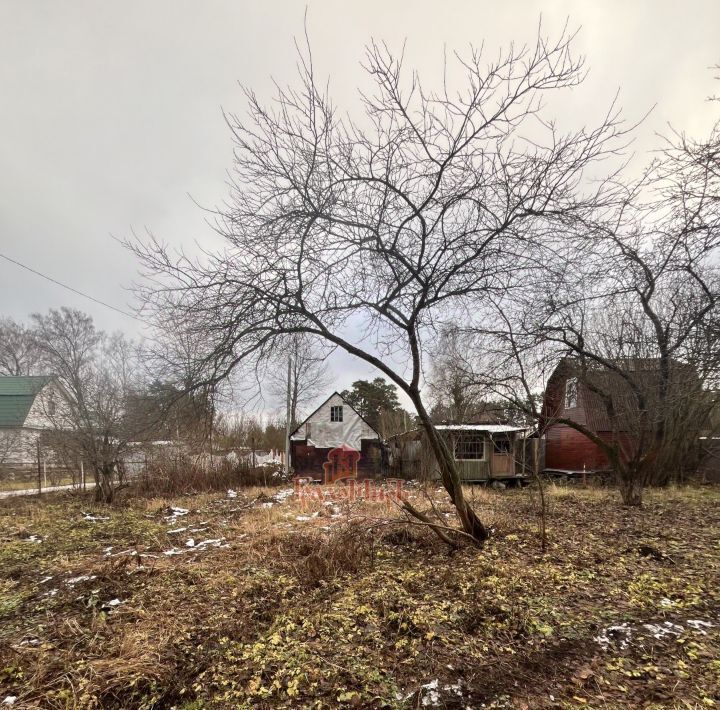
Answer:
(176, 531)
(192, 545)
(89, 516)
(667, 628)
(9, 700)
(455, 688)
(51, 593)
(111, 605)
(267, 505)
(304, 518)
(175, 513)
(45, 579)
(33, 538)
(667, 602)
(283, 495)
(620, 633)
(211, 543)
(699, 625)
(82, 578)
(429, 693)
(231, 493)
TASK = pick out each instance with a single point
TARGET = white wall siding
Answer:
(325, 434)
(18, 446)
(41, 416)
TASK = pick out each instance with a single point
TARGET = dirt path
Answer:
(33, 491)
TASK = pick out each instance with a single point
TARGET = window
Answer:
(571, 393)
(308, 431)
(52, 406)
(469, 447)
(336, 414)
(501, 446)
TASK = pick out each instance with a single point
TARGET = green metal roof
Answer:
(16, 397)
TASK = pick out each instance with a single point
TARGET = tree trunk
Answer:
(469, 520)
(631, 490)
(104, 491)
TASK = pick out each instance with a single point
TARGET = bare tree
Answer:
(99, 374)
(452, 384)
(365, 233)
(309, 374)
(635, 310)
(18, 351)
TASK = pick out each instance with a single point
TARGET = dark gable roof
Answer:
(317, 409)
(598, 382)
(17, 395)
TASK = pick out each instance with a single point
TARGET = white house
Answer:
(332, 425)
(30, 407)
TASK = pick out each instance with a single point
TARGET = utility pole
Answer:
(288, 423)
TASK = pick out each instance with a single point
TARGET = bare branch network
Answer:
(428, 207)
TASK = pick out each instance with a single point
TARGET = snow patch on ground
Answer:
(667, 628)
(303, 518)
(622, 634)
(431, 694)
(174, 513)
(191, 546)
(91, 518)
(699, 626)
(283, 495)
(82, 578)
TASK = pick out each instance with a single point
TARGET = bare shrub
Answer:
(315, 558)
(183, 476)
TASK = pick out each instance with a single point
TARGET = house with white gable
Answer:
(31, 409)
(334, 425)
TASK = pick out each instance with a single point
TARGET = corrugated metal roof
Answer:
(489, 428)
(17, 395)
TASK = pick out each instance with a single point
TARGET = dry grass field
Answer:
(254, 600)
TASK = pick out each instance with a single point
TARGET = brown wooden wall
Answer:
(308, 460)
(570, 450)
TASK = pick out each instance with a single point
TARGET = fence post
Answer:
(82, 474)
(39, 468)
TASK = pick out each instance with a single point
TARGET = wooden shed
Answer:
(483, 452)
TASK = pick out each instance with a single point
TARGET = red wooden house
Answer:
(603, 401)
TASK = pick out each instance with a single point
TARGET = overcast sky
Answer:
(110, 112)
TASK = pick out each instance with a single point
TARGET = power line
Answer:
(70, 288)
